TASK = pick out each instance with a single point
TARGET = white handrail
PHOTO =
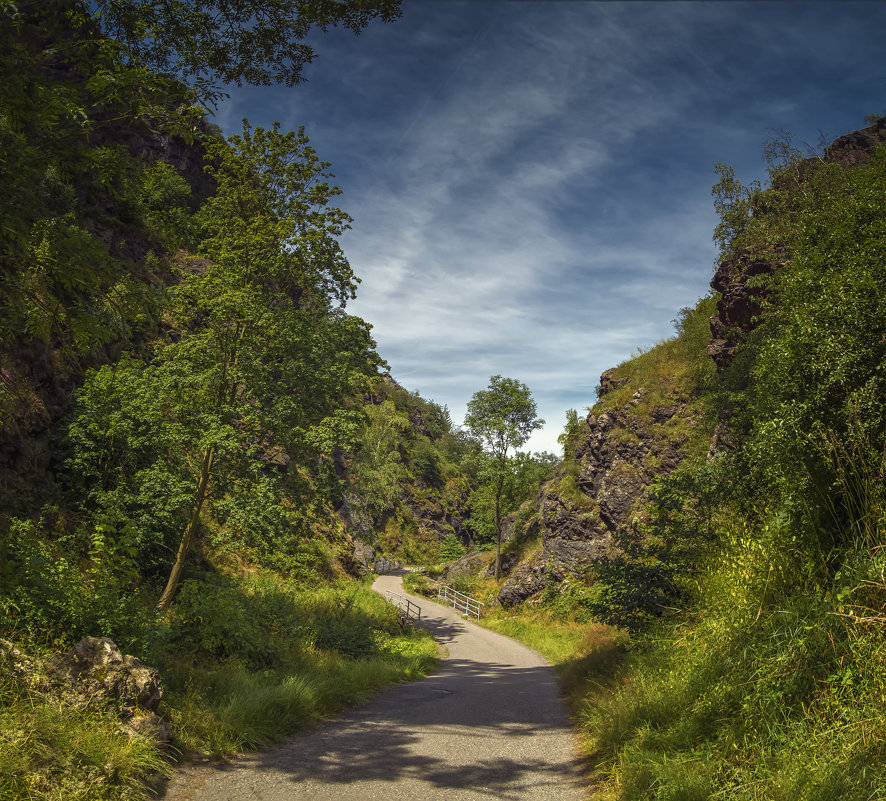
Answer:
(468, 605)
(406, 606)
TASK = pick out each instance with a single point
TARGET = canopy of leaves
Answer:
(236, 41)
(259, 366)
(503, 415)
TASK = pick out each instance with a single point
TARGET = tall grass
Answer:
(245, 660)
(767, 693)
(319, 650)
(54, 752)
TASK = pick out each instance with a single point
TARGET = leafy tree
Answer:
(74, 72)
(238, 41)
(378, 466)
(261, 356)
(572, 432)
(502, 417)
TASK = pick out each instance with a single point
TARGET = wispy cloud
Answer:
(530, 181)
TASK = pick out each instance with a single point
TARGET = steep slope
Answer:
(649, 417)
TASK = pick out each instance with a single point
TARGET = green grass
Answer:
(332, 647)
(780, 700)
(555, 640)
(245, 660)
(52, 752)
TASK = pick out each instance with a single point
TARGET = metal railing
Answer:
(409, 610)
(467, 605)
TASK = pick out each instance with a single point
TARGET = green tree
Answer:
(262, 355)
(79, 75)
(378, 466)
(236, 41)
(502, 417)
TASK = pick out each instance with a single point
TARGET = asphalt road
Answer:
(490, 724)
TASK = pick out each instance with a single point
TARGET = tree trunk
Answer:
(185, 545)
(498, 526)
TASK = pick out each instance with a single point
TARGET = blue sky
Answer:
(530, 181)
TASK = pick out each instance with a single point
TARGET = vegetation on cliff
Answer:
(765, 680)
(179, 382)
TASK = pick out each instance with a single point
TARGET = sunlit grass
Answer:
(245, 661)
(351, 647)
(55, 752)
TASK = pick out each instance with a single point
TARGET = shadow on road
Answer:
(472, 725)
(489, 723)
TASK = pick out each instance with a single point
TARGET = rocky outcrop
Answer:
(630, 439)
(609, 382)
(739, 303)
(854, 149)
(430, 515)
(475, 563)
(95, 673)
(528, 579)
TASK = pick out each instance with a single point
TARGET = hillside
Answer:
(729, 512)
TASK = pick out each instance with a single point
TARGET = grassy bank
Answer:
(245, 660)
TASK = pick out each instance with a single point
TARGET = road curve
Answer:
(490, 724)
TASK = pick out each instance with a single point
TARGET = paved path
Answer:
(489, 724)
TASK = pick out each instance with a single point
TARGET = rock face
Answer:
(95, 672)
(38, 384)
(739, 303)
(854, 149)
(430, 515)
(631, 437)
(529, 578)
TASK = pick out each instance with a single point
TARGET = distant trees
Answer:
(502, 417)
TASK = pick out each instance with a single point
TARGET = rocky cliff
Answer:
(739, 300)
(647, 421)
(638, 431)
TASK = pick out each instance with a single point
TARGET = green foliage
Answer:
(57, 591)
(572, 433)
(410, 464)
(418, 583)
(734, 204)
(505, 489)
(378, 467)
(72, 196)
(451, 548)
(262, 359)
(502, 416)
(819, 351)
(254, 42)
(767, 683)
(761, 692)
